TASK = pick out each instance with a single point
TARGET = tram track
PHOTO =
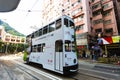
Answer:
(78, 76)
(8, 68)
(33, 76)
(84, 76)
(32, 71)
(29, 69)
(10, 74)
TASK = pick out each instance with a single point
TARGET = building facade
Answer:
(105, 17)
(51, 10)
(9, 38)
(79, 10)
(93, 18)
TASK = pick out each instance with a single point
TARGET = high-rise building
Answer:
(51, 10)
(92, 17)
(80, 11)
(105, 17)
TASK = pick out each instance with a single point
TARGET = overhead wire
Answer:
(31, 8)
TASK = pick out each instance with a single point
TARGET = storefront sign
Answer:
(109, 40)
(116, 39)
(81, 42)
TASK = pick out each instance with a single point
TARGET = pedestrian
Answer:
(91, 54)
(84, 54)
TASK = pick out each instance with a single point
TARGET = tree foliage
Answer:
(25, 55)
(9, 29)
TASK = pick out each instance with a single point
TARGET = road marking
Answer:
(39, 72)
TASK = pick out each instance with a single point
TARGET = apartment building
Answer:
(9, 38)
(52, 9)
(2, 32)
(97, 18)
(80, 11)
(106, 24)
(105, 17)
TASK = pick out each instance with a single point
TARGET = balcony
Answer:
(105, 1)
(100, 25)
(78, 14)
(80, 23)
(95, 1)
(97, 17)
(107, 6)
(96, 7)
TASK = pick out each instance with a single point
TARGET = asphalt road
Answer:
(13, 68)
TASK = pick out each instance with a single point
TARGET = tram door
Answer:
(59, 55)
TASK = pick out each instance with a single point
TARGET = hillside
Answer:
(9, 29)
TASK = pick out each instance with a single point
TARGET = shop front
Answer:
(82, 45)
(110, 45)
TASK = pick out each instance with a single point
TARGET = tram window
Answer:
(59, 46)
(51, 27)
(34, 48)
(40, 32)
(43, 47)
(32, 35)
(73, 46)
(58, 24)
(39, 48)
(71, 24)
(66, 22)
(67, 46)
(45, 29)
(36, 34)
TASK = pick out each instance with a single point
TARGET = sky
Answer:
(26, 16)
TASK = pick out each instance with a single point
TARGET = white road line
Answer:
(39, 72)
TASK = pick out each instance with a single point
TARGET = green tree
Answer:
(25, 55)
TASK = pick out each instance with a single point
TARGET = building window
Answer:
(110, 30)
(80, 18)
(106, 13)
(96, 13)
(75, 20)
(98, 30)
(107, 21)
(80, 9)
(96, 6)
(105, 6)
(80, 27)
(97, 21)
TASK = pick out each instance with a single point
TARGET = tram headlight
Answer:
(66, 64)
(74, 61)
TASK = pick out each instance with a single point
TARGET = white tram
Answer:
(53, 46)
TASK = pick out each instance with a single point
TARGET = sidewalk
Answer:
(97, 65)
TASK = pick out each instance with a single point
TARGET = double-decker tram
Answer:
(53, 46)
